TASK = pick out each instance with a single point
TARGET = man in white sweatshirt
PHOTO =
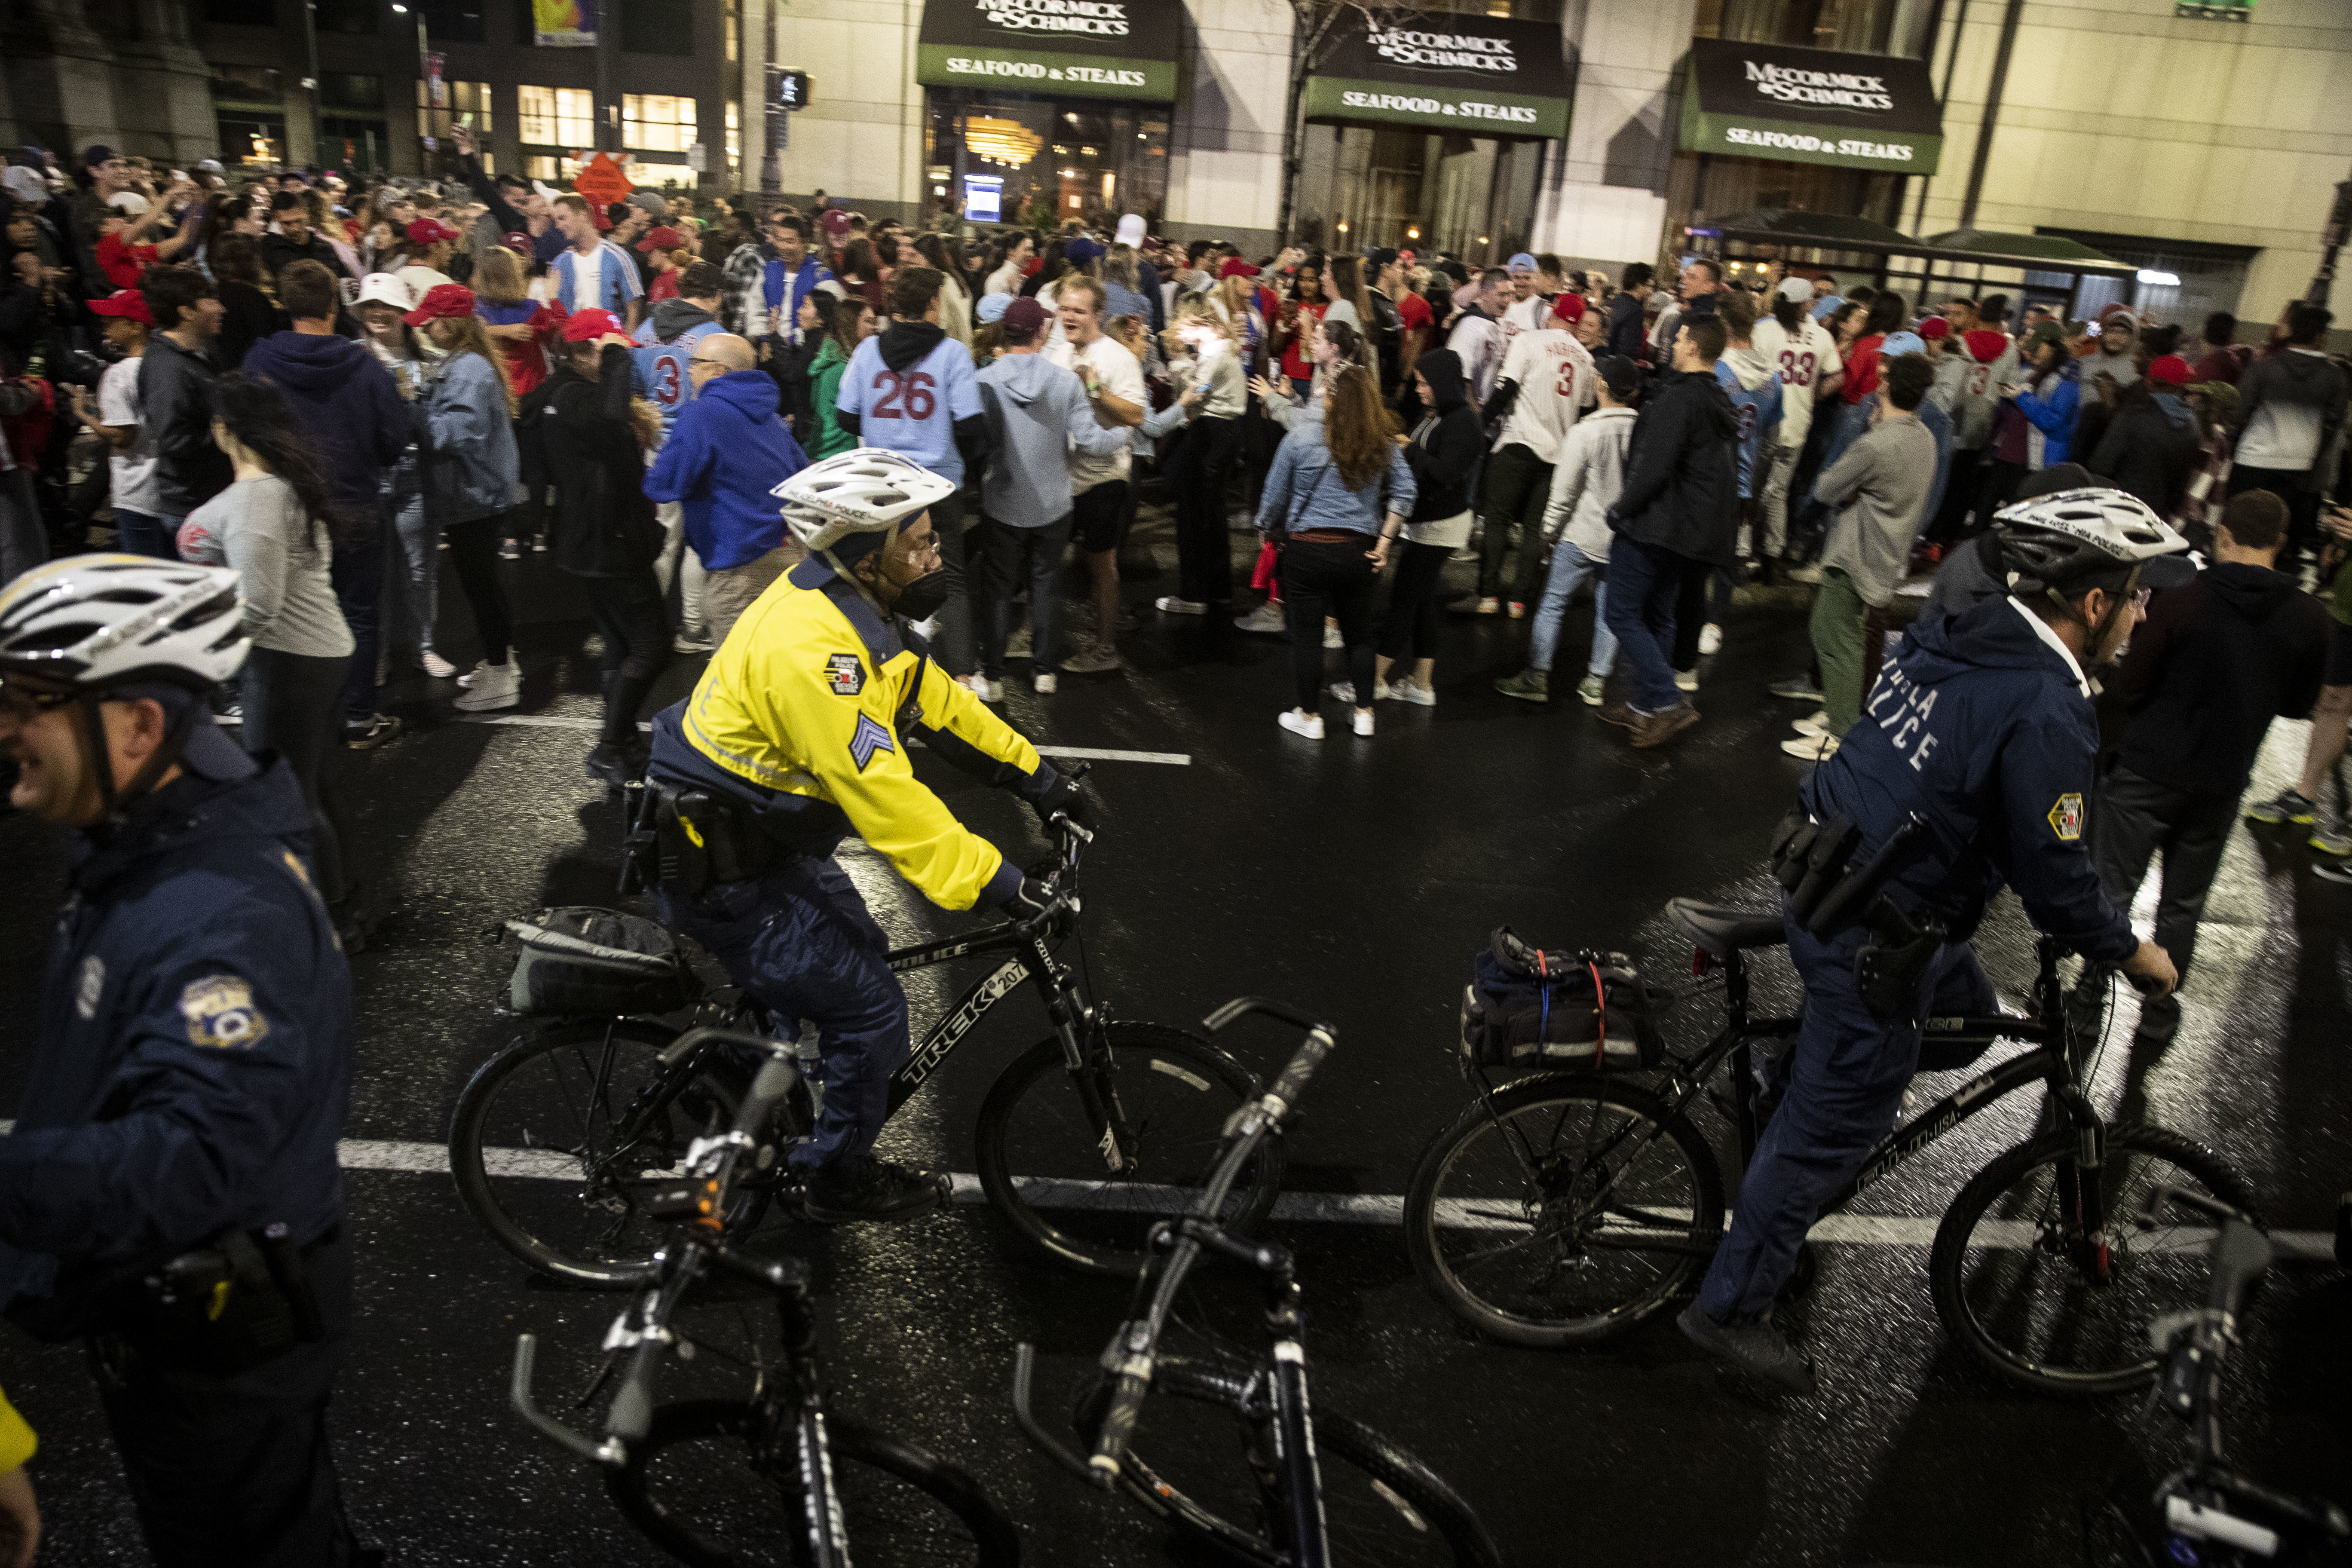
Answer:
(1546, 382)
(1806, 357)
(1586, 478)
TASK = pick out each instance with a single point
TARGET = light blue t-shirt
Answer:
(915, 412)
(617, 280)
(662, 372)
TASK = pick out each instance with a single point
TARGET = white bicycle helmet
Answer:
(2048, 540)
(869, 491)
(94, 622)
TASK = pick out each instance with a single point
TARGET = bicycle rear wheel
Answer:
(1382, 1508)
(550, 1143)
(2017, 1282)
(1570, 1213)
(713, 1485)
(1041, 1160)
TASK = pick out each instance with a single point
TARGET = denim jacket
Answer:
(1304, 489)
(471, 467)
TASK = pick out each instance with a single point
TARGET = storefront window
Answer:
(1469, 196)
(1075, 158)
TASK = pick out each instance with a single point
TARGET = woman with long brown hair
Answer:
(471, 468)
(1337, 485)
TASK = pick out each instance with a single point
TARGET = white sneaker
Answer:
(1686, 680)
(474, 674)
(433, 664)
(1176, 606)
(1813, 724)
(1307, 724)
(1413, 692)
(1589, 690)
(1266, 617)
(1331, 637)
(696, 641)
(980, 686)
(1344, 690)
(1812, 748)
(1363, 720)
(1047, 683)
(1806, 574)
(1710, 639)
(493, 686)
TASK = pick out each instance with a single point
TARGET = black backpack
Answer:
(1526, 1008)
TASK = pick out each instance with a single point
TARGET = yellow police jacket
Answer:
(17, 1441)
(805, 715)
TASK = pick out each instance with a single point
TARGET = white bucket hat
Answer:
(384, 289)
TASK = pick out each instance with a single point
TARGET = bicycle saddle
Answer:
(1722, 931)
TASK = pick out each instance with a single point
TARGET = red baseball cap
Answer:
(587, 326)
(1569, 308)
(518, 243)
(1236, 266)
(429, 231)
(663, 239)
(129, 303)
(1935, 327)
(2170, 369)
(441, 299)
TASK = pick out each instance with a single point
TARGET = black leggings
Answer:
(474, 552)
(1320, 580)
(1410, 630)
(1197, 470)
(294, 707)
(631, 620)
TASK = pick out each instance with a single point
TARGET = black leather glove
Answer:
(1065, 795)
(1032, 898)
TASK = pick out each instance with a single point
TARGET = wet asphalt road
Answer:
(1354, 879)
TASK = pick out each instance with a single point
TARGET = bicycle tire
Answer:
(542, 1218)
(1986, 1306)
(1383, 1508)
(1549, 1291)
(875, 1478)
(1177, 1089)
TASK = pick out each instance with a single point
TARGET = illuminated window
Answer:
(467, 98)
(657, 123)
(556, 116)
(733, 27)
(734, 133)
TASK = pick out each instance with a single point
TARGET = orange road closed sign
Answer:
(602, 181)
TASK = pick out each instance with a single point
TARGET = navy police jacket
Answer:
(193, 1066)
(1983, 726)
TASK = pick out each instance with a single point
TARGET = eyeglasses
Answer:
(699, 360)
(26, 703)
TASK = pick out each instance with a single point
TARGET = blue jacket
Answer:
(2055, 416)
(193, 1069)
(471, 467)
(1304, 489)
(783, 290)
(345, 401)
(727, 452)
(1983, 727)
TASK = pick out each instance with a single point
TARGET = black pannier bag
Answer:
(598, 963)
(1526, 1008)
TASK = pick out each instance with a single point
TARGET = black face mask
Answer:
(924, 596)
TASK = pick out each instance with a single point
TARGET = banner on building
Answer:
(1811, 106)
(1059, 48)
(1487, 76)
(563, 24)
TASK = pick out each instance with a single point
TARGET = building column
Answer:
(1224, 134)
(60, 77)
(1602, 198)
(164, 87)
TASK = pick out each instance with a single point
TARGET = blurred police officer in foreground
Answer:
(170, 1192)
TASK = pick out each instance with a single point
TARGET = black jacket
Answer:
(576, 434)
(1625, 335)
(2210, 667)
(1445, 449)
(278, 252)
(1682, 470)
(2150, 449)
(175, 402)
(792, 366)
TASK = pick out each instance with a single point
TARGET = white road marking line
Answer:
(1343, 1208)
(1083, 753)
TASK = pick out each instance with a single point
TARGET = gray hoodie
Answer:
(1036, 412)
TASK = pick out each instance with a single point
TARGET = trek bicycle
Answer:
(1565, 1207)
(1309, 1487)
(1083, 1140)
(777, 1476)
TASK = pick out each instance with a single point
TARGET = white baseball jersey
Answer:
(1555, 377)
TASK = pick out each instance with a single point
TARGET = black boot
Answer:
(619, 755)
(861, 1187)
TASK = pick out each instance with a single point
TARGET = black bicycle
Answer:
(776, 1478)
(1313, 1490)
(1566, 1207)
(1084, 1140)
(2211, 1514)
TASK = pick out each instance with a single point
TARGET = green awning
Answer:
(2034, 252)
(1806, 231)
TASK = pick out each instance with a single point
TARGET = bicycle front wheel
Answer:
(1571, 1211)
(719, 1485)
(555, 1135)
(1382, 1508)
(2019, 1282)
(1041, 1158)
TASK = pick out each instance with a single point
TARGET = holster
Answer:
(703, 841)
(244, 1299)
(1888, 965)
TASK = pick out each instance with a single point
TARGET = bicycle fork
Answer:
(1088, 1059)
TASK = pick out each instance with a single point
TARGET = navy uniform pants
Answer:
(798, 941)
(1845, 1076)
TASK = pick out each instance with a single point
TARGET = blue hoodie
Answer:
(1983, 726)
(727, 449)
(344, 400)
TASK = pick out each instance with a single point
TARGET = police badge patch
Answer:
(845, 674)
(2066, 819)
(220, 1013)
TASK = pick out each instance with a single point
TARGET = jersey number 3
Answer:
(907, 396)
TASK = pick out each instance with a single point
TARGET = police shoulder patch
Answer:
(845, 673)
(2066, 817)
(220, 1013)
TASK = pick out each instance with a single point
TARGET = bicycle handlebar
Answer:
(632, 1414)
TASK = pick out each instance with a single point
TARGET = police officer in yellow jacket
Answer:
(797, 734)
